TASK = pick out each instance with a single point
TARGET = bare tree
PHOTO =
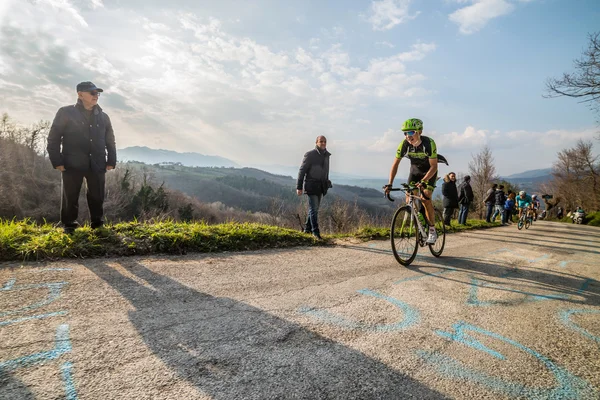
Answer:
(576, 177)
(584, 83)
(483, 172)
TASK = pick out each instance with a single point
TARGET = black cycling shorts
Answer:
(416, 176)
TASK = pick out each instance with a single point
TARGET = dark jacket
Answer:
(450, 194)
(500, 197)
(465, 193)
(313, 176)
(85, 146)
(490, 196)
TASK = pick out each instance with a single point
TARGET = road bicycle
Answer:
(525, 219)
(409, 228)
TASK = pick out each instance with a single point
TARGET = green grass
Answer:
(26, 240)
(371, 233)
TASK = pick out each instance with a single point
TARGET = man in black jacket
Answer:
(465, 198)
(81, 144)
(450, 194)
(314, 178)
(500, 199)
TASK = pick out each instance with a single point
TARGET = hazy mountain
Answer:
(534, 173)
(158, 156)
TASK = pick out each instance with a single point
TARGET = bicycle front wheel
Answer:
(404, 236)
(520, 223)
(438, 247)
(527, 223)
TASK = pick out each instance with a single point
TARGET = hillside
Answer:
(252, 189)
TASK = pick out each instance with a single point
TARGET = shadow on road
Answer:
(231, 350)
(504, 276)
(12, 388)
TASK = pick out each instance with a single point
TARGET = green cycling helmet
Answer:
(412, 124)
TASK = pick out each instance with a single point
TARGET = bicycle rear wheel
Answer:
(404, 236)
(438, 247)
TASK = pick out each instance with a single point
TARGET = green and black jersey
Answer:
(419, 157)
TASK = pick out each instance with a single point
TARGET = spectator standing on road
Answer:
(450, 193)
(509, 206)
(465, 198)
(559, 213)
(489, 200)
(81, 144)
(500, 199)
(313, 178)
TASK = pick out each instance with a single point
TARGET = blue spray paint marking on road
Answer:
(533, 260)
(569, 386)
(411, 316)
(585, 285)
(473, 299)
(54, 293)
(426, 274)
(67, 376)
(565, 317)
(62, 345)
(460, 336)
(8, 285)
(40, 316)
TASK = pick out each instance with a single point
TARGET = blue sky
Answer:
(257, 81)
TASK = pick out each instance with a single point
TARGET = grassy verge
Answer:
(24, 240)
(372, 233)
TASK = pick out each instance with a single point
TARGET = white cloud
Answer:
(387, 143)
(187, 84)
(470, 138)
(96, 4)
(384, 44)
(64, 6)
(386, 14)
(474, 17)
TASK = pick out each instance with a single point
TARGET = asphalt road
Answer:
(502, 314)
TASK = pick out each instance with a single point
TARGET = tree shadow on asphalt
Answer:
(500, 276)
(12, 388)
(231, 350)
(538, 242)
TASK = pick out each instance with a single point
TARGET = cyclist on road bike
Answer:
(422, 153)
(524, 201)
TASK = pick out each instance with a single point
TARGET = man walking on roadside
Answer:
(81, 144)
(313, 178)
(489, 201)
(500, 199)
(465, 198)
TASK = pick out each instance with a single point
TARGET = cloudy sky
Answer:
(256, 81)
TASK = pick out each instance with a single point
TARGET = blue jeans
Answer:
(462, 214)
(312, 221)
(498, 210)
(488, 213)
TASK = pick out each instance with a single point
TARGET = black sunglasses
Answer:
(94, 93)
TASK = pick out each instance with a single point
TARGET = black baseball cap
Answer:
(88, 87)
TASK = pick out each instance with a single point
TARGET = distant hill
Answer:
(530, 181)
(158, 156)
(534, 173)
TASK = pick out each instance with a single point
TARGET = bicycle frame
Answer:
(414, 202)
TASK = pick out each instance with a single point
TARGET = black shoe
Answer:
(96, 225)
(317, 236)
(70, 228)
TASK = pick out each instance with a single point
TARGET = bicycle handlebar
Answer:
(405, 188)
